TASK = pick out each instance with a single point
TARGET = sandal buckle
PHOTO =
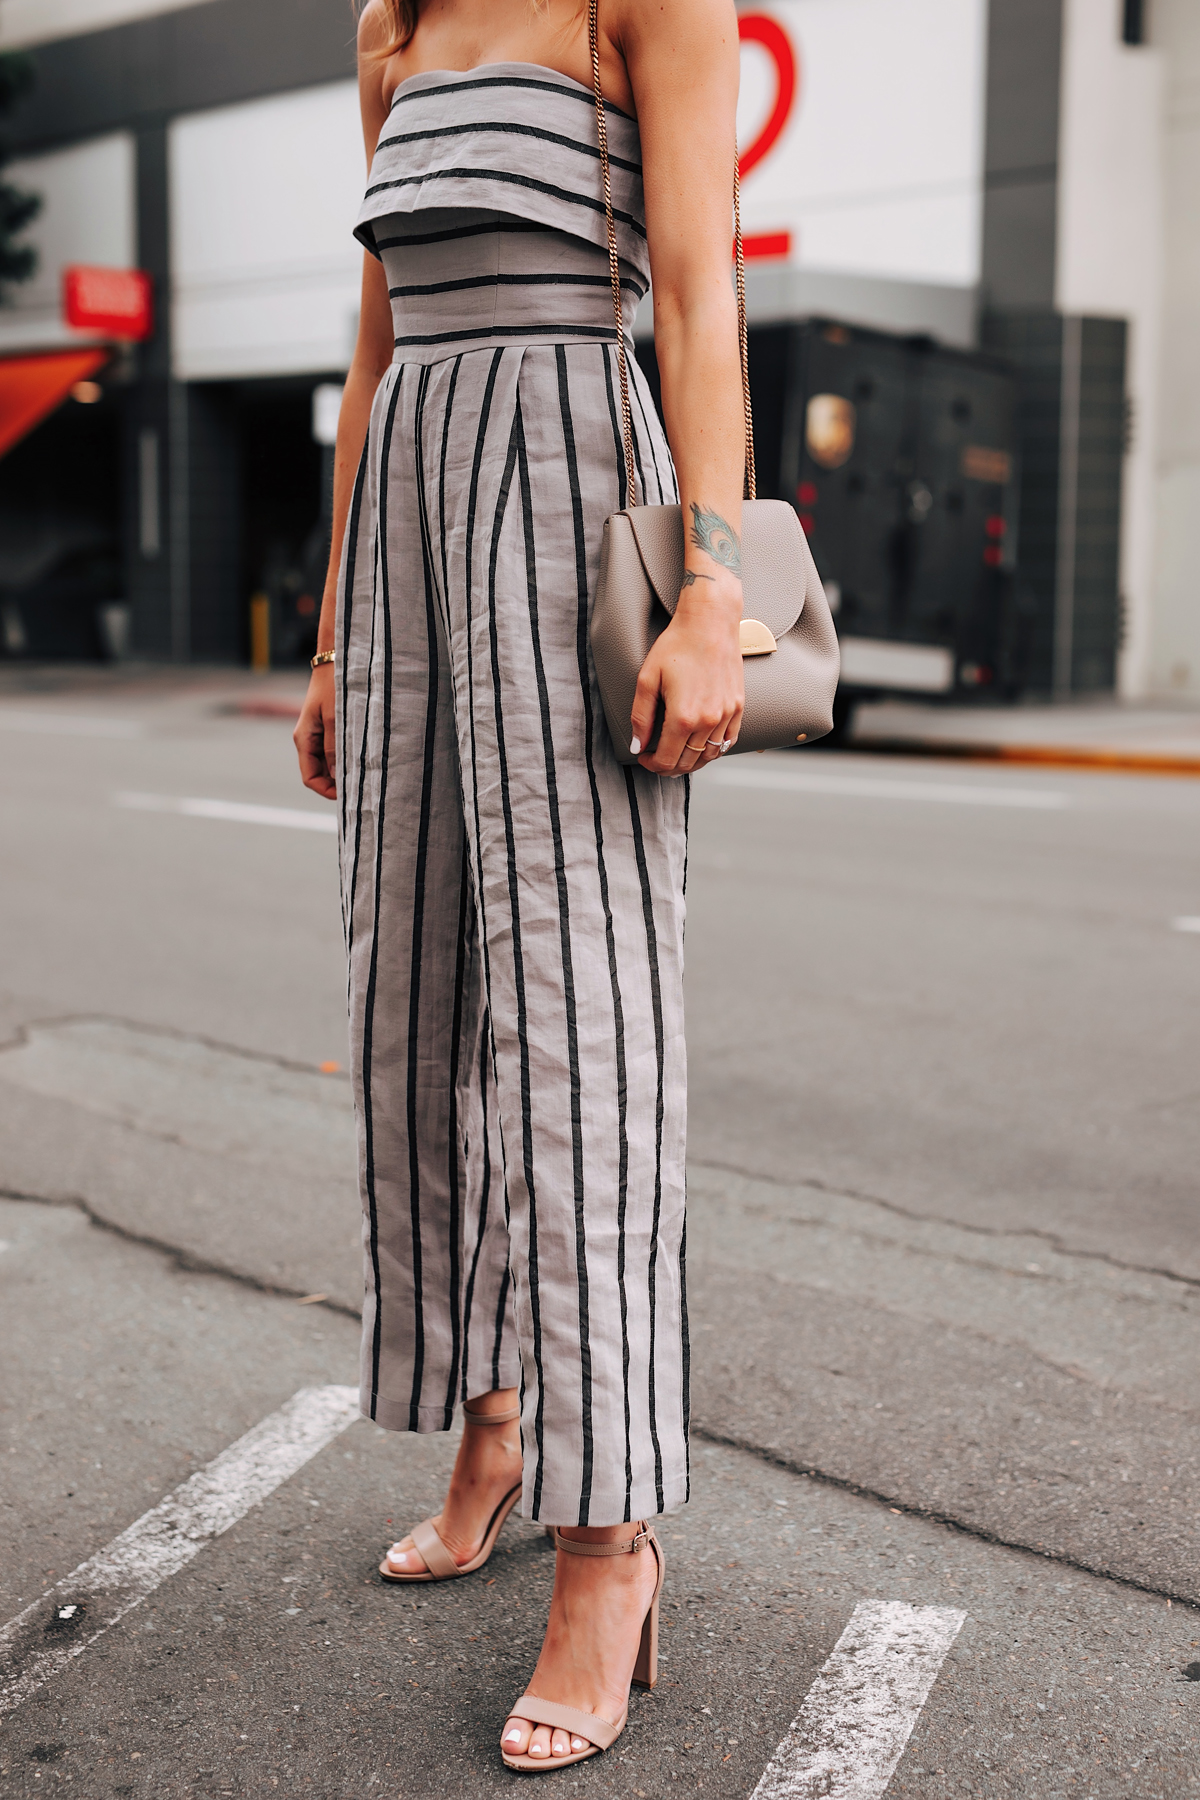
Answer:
(640, 1540)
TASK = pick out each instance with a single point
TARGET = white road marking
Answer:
(84, 1604)
(1189, 922)
(849, 1735)
(68, 724)
(235, 810)
(871, 787)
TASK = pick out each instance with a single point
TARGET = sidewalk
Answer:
(1140, 737)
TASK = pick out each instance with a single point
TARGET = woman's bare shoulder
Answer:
(678, 24)
(374, 28)
(374, 36)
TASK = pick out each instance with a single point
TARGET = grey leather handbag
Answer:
(789, 644)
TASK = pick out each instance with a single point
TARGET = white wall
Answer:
(88, 216)
(878, 171)
(1175, 639)
(265, 271)
(38, 21)
(1109, 261)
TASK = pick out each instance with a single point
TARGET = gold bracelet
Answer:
(323, 656)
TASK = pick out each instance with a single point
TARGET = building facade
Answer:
(1018, 174)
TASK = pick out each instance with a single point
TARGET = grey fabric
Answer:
(512, 897)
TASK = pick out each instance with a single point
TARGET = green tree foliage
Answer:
(17, 261)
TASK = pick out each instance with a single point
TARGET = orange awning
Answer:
(32, 386)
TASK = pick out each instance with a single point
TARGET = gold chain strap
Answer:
(614, 269)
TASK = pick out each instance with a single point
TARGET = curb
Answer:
(1050, 756)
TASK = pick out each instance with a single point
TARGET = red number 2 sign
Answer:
(761, 29)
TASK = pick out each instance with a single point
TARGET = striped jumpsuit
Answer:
(512, 896)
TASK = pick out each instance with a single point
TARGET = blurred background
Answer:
(974, 238)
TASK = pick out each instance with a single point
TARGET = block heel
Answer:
(601, 1733)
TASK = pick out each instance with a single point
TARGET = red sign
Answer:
(758, 28)
(117, 302)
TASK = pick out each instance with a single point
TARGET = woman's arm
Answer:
(314, 734)
(682, 57)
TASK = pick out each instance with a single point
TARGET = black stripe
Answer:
(351, 540)
(575, 92)
(457, 1325)
(413, 1057)
(687, 1359)
(348, 890)
(518, 958)
(485, 281)
(618, 438)
(373, 973)
(442, 497)
(635, 394)
(656, 1003)
(603, 333)
(485, 1190)
(510, 178)
(472, 502)
(497, 223)
(510, 128)
(637, 443)
(499, 1338)
(585, 687)
(568, 972)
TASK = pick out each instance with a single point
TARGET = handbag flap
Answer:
(775, 559)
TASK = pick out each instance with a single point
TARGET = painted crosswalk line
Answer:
(50, 1633)
(236, 812)
(847, 1738)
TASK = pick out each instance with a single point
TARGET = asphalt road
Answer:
(943, 1268)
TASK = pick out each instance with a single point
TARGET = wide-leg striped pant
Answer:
(513, 907)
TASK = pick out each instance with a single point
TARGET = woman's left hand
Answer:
(695, 670)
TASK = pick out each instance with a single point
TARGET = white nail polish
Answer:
(513, 1737)
(635, 746)
(578, 1743)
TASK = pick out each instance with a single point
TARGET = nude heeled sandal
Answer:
(601, 1733)
(439, 1564)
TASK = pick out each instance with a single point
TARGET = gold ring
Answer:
(696, 747)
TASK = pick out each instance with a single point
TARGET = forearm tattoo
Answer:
(716, 536)
(692, 576)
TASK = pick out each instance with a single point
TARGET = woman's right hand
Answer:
(315, 738)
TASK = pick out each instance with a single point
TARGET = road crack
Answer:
(934, 1516)
(187, 1261)
(1039, 1233)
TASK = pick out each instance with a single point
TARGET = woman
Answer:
(513, 896)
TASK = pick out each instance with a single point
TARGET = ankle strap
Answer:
(492, 1418)
(643, 1536)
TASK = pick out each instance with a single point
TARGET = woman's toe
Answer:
(560, 1743)
(515, 1736)
(539, 1743)
(405, 1558)
(578, 1743)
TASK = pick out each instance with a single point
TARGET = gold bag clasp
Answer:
(755, 639)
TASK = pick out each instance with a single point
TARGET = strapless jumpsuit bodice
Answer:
(485, 204)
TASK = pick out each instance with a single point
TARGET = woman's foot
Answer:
(596, 1615)
(487, 1467)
